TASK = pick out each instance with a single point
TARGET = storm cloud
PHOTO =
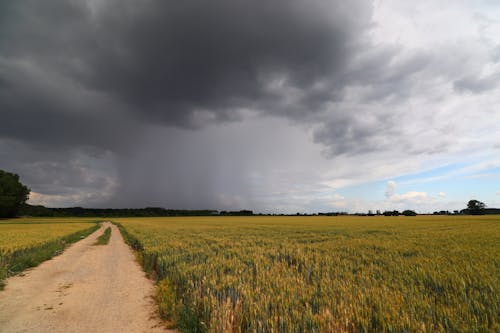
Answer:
(185, 63)
(188, 104)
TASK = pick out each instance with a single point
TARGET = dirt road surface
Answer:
(88, 288)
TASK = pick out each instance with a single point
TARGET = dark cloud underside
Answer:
(184, 62)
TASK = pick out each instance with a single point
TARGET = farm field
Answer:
(27, 242)
(50, 220)
(324, 274)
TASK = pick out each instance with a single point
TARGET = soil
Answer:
(88, 288)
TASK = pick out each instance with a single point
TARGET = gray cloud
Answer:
(476, 84)
(88, 78)
(113, 66)
(355, 132)
(44, 108)
(73, 177)
(84, 84)
(183, 63)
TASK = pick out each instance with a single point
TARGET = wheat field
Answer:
(323, 274)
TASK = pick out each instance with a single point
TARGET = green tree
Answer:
(13, 194)
(409, 212)
(475, 207)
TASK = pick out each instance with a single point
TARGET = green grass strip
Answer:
(17, 261)
(104, 238)
(179, 317)
(131, 240)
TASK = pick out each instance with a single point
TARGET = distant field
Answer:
(27, 242)
(324, 274)
(50, 220)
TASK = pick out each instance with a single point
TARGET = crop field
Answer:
(49, 220)
(27, 242)
(324, 274)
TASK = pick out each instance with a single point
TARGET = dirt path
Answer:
(86, 289)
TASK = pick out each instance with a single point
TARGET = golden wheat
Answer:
(324, 274)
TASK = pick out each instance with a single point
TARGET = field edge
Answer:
(167, 307)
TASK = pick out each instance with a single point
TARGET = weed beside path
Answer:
(104, 238)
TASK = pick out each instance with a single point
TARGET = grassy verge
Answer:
(17, 261)
(132, 241)
(171, 309)
(104, 238)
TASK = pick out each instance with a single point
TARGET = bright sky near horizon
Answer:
(288, 106)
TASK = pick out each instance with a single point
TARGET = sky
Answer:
(278, 106)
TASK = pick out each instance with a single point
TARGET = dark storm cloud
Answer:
(82, 78)
(186, 62)
(107, 67)
(182, 59)
(45, 108)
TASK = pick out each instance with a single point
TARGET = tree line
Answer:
(39, 211)
(13, 197)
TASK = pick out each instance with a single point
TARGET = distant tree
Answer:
(476, 207)
(239, 213)
(409, 213)
(13, 194)
(391, 213)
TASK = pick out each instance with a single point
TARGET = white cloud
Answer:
(338, 201)
(337, 196)
(418, 24)
(390, 189)
(441, 194)
(411, 197)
